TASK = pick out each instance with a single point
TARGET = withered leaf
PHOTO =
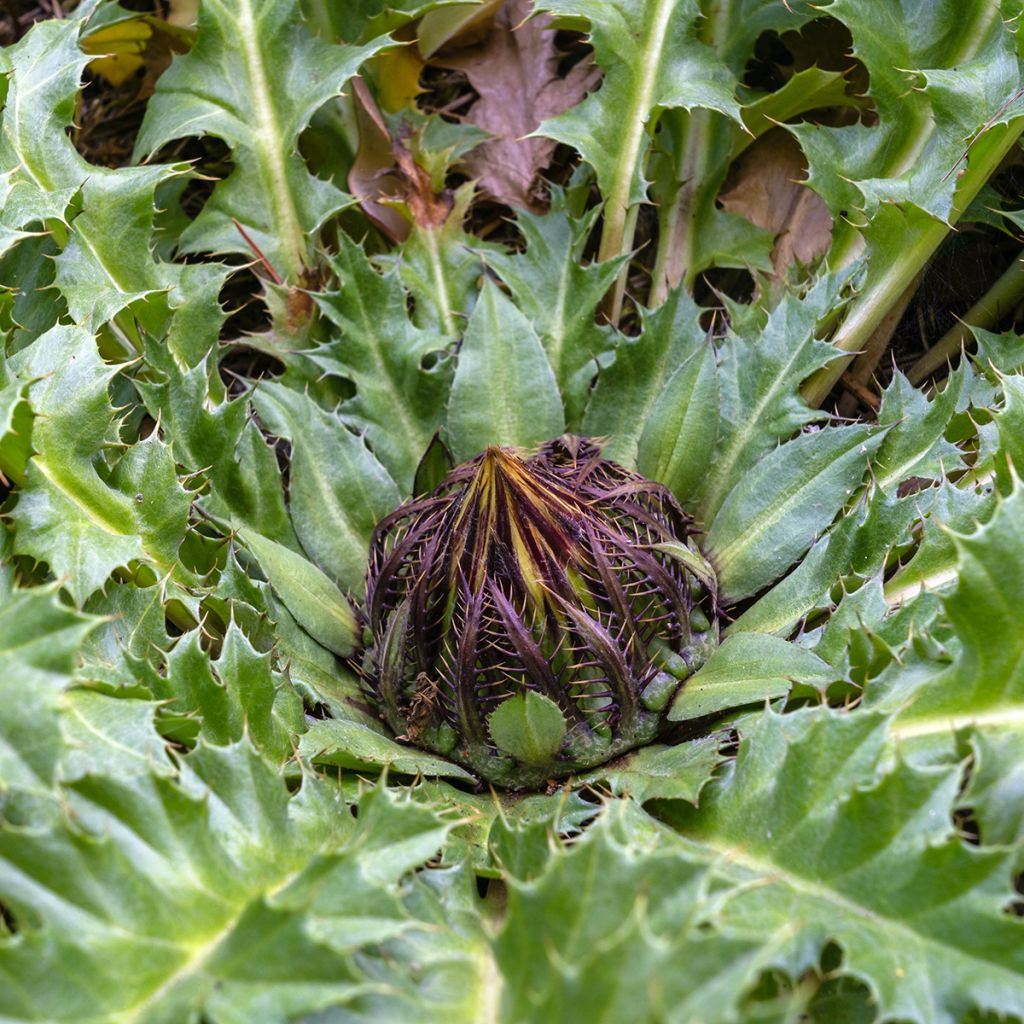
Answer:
(515, 72)
(766, 186)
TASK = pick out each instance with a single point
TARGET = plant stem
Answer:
(870, 307)
(677, 222)
(985, 313)
(619, 225)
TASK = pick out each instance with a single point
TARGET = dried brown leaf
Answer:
(515, 72)
(766, 186)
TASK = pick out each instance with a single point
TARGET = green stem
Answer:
(870, 307)
(985, 313)
(617, 230)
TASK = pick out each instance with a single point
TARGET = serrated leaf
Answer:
(504, 391)
(914, 446)
(937, 76)
(561, 297)
(984, 688)
(351, 745)
(71, 513)
(677, 442)
(246, 902)
(773, 514)
(626, 392)
(441, 268)
(39, 641)
(216, 438)
(337, 490)
(653, 60)
(257, 701)
(677, 772)
(748, 668)
(317, 604)
(621, 942)
(398, 403)
(758, 381)
(110, 734)
(247, 81)
(821, 844)
(106, 264)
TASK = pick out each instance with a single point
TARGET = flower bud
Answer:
(535, 615)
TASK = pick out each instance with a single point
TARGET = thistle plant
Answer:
(535, 615)
(500, 520)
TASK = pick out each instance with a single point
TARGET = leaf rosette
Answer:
(535, 615)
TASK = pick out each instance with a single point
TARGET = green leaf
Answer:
(996, 790)
(318, 605)
(773, 514)
(15, 430)
(652, 61)
(810, 828)
(71, 513)
(337, 490)
(39, 642)
(748, 668)
(351, 745)
(626, 393)
(218, 440)
(247, 80)
(678, 772)
(938, 75)
(238, 694)
(915, 445)
(504, 391)
(105, 264)
(758, 381)
(398, 403)
(441, 268)
(528, 726)
(677, 443)
(984, 688)
(221, 894)
(621, 909)
(115, 735)
(560, 296)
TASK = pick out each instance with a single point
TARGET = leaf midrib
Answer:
(770, 871)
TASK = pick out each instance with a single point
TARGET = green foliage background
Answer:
(200, 820)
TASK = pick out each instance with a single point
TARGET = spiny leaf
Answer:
(106, 263)
(653, 61)
(774, 513)
(71, 513)
(748, 668)
(561, 297)
(984, 689)
(399, 402)
(808, 827)
(248, 81)
(504, 391)
(938, 75)
(245, 903)
(39, 641)
(216, 438)
(620, 936)
(627, 391)
(337, 490)
(758, 382)
(237, 694)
